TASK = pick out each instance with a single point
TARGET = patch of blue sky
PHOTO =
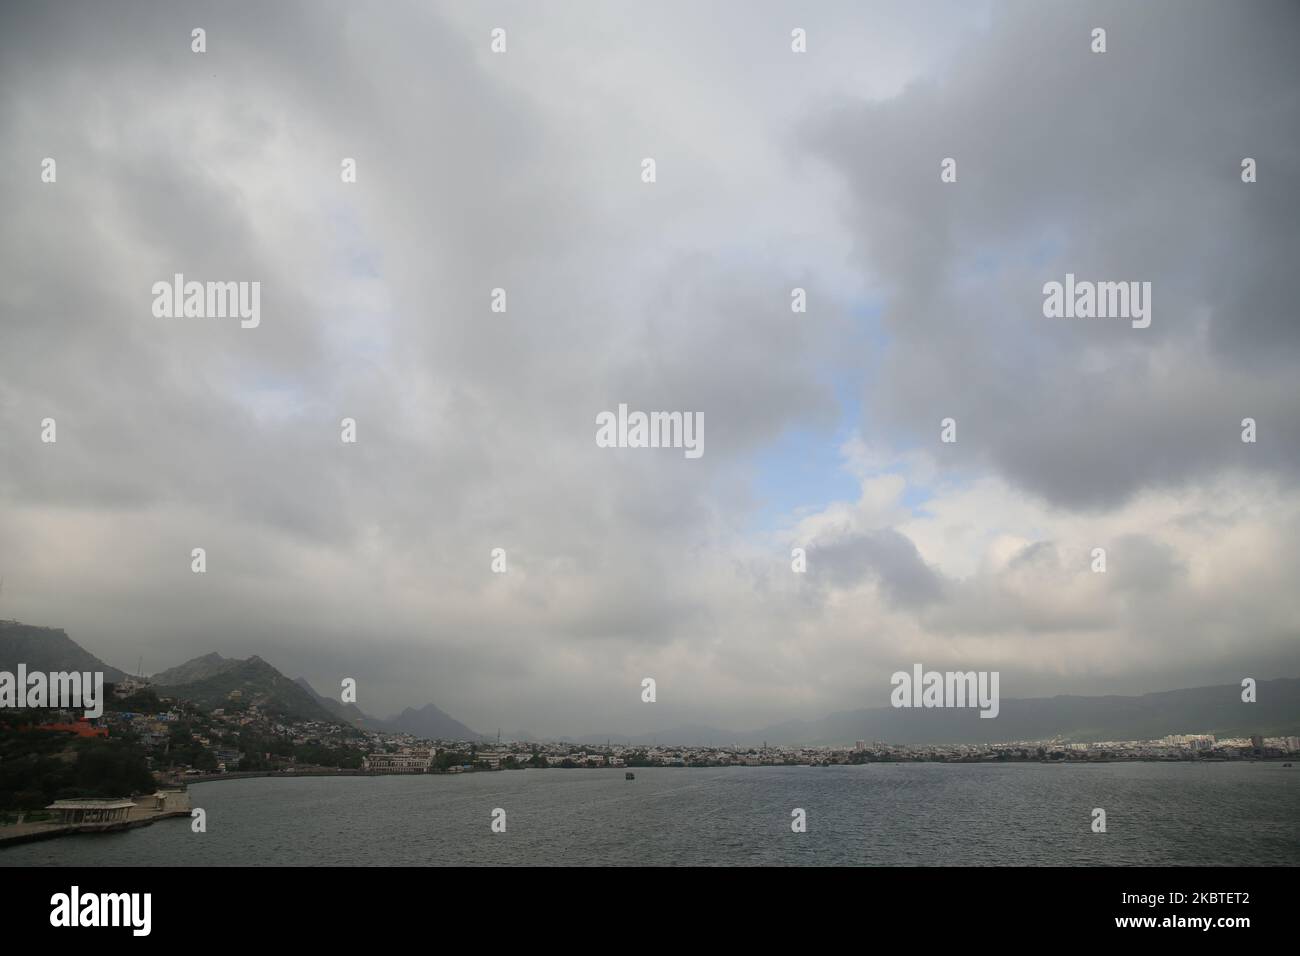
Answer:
(357, 256)
(272, 402)
(1037, 252)
(802, 472)
(805, 469)
(365, 320)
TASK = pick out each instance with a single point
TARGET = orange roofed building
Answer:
(82, 728)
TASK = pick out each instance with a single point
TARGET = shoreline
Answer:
(248, 774)
(331, 772)
(33, 832)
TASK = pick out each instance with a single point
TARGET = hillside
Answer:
(348, 713)
(208, 681)
(428, 721)
(200, 668)
(47, 649)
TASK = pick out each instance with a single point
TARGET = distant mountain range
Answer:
(428, 721)
(1207, 710)
(347, 713)
(209, 680)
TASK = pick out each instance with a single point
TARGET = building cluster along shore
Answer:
(404, 756)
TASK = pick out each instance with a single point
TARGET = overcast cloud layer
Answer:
(476, 430)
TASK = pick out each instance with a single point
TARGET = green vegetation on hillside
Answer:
(38, 767)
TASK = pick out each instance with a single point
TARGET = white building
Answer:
(408, 761)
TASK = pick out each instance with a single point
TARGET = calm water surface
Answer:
(876, 814)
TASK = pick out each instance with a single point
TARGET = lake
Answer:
(1157, 814)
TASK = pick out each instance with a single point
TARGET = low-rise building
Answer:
(408, 761)
(92, 811)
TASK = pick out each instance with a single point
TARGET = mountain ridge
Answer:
(1215, 709)
(209, 679)
(348, 713)
(430, 721)
(48, 649)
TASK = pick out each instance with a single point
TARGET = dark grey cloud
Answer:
(1122, 166)
(883, 555)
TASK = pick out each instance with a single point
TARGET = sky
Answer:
(774, 170)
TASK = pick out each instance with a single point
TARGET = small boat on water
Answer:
(629, 776)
